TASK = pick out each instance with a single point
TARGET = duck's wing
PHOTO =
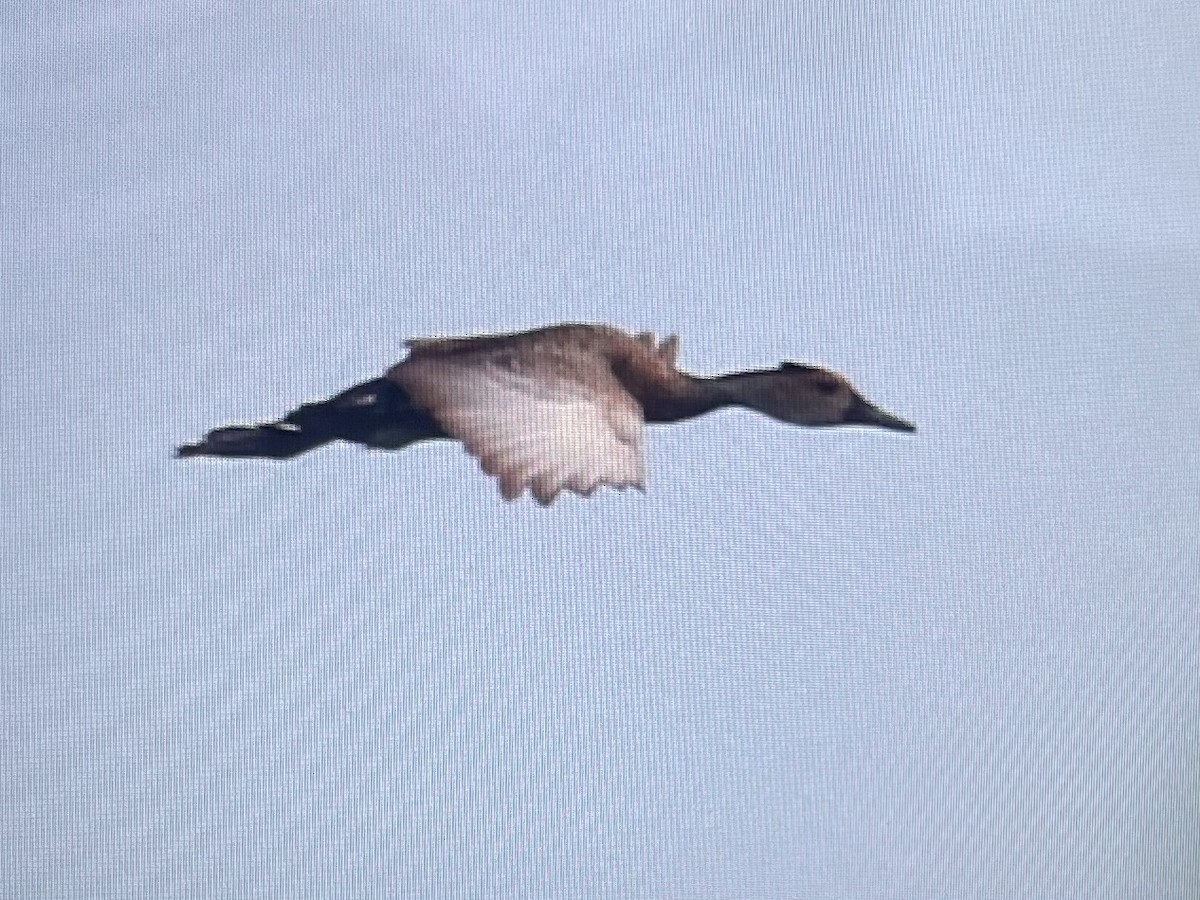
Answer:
(540, 417)
(668, 350)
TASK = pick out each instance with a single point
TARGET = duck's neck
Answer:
(689, 396)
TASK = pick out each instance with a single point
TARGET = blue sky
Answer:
(831, 663)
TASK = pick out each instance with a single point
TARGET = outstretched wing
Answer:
(538, 416)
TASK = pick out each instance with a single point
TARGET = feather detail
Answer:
(546, 420)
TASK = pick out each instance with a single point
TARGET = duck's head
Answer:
(809, 395)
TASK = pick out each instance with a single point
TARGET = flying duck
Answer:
(545, 410)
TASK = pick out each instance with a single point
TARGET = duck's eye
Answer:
(827, 387)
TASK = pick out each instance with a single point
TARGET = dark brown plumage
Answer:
(545, 410)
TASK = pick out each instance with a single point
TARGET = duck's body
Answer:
(551, 409)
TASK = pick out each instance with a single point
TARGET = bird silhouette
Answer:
(553, 409)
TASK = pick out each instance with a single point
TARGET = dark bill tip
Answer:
(868, 414)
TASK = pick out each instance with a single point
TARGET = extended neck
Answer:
(752, 389)
(689, 396)
(763, 390)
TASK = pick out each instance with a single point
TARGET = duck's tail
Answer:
(274, 440)
(370, 413)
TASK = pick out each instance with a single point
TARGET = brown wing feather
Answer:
(540, 414)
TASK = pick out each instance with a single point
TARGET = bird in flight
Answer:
(553, 409)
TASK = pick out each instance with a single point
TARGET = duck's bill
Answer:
(865, 413)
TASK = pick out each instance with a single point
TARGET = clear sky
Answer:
(821, 663)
